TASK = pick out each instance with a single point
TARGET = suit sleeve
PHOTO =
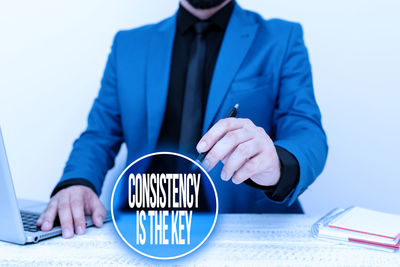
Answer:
(297, 118)
(94, 151)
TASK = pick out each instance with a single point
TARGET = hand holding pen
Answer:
(245, 149)
(232, 113)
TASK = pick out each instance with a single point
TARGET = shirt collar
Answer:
(220, 19)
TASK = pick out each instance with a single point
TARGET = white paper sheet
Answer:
(370, 222)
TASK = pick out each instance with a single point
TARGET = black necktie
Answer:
(192, 116)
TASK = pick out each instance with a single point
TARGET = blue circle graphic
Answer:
(164, 205)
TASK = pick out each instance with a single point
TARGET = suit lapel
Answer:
(157, 77)
(238, 38)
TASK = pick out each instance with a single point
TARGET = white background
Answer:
(52, 55)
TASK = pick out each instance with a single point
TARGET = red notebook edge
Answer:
(355, 240)
(362, 232)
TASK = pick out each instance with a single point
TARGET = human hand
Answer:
(245, 150)
(71, 204)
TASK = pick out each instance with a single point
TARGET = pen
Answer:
(232, 113)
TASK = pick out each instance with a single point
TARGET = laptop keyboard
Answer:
(29, 221)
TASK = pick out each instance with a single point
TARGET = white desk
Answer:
(238, 240)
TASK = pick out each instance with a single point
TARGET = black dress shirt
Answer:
(170, 130)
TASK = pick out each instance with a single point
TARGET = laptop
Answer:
(18, 217)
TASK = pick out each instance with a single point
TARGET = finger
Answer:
(78, 214)
(239, 157)
(248, 169)
(65, 216)
(225, 160)
(219, 130)
(225, 145)
(40, 219)
(48, 216)
(98, 212)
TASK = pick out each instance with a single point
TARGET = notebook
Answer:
(362, 226)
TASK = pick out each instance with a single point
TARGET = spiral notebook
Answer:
(361, 226)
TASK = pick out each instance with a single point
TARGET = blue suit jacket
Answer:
(263, 65)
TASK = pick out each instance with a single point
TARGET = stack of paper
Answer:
(361, 226)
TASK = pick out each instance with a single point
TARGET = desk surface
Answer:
(242, 240)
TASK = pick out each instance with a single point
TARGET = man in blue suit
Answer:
(168, 85)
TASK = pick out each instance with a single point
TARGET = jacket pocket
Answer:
(250, 85)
